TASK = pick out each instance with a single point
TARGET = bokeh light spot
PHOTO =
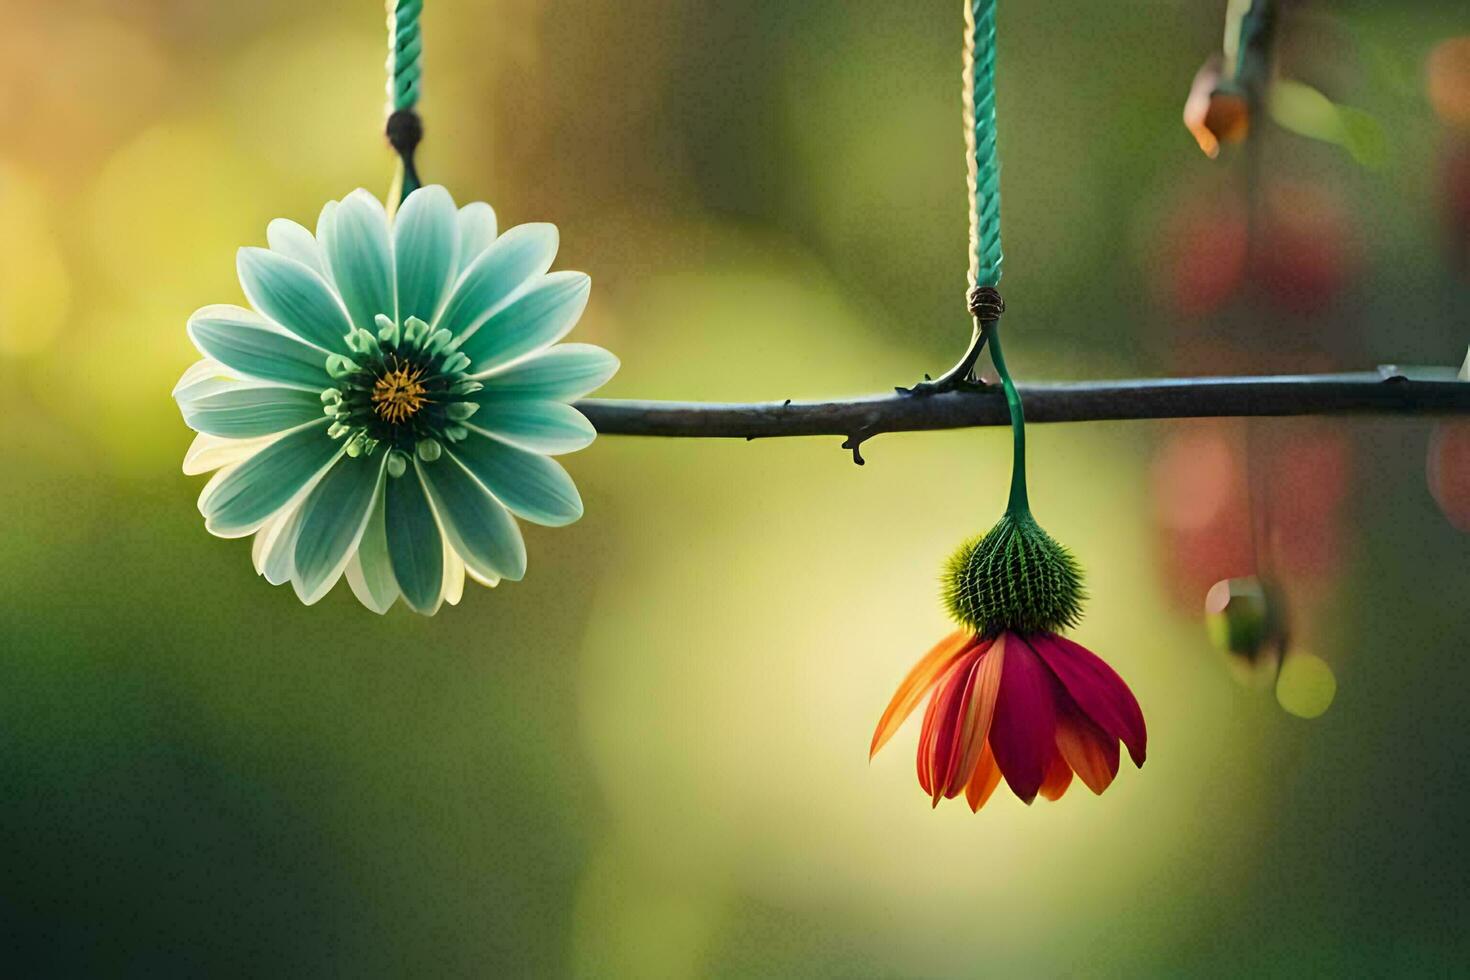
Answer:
(147, 206)
(35, 288)
(1306, 685)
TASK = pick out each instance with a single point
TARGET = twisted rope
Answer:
(405, 54)
(985, 254)
(405, 74)
(980, 145)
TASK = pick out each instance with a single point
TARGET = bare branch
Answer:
(1388, 391)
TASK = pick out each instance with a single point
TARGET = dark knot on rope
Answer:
(405, 129)
(986, 304)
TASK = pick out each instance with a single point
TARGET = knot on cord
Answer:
(986, 304)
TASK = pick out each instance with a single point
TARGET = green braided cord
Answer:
(405, 53)
(984, 160)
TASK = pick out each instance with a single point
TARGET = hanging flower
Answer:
(1011, 697)
(392, 399)
(1032, 707)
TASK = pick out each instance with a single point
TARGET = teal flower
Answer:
(392, 399)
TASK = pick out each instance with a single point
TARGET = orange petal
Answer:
(979, 712)
(983, 781)
(939, 711)
(924, 675)
(1058, 778)
(1090, 751)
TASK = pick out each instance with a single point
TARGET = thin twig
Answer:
(1382, 392)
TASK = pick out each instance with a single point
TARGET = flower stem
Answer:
(1019, 504)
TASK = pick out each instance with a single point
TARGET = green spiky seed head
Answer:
(1015, 577)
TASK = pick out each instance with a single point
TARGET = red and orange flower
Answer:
(1033, 708)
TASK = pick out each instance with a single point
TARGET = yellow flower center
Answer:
(399, 393)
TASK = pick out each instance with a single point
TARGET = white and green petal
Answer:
(325, 221)
(541, 314)
(477, 232)
(386, 410)
(552, 428)
(360, 255)
(241, 410)
(370, 572)
(426, 240)
(513, 260)
(562, 373)
(251, 492)
(294, 297)
(293, 241)
(274, 548)
(208, 453)
(245, 342)
(333, 519)
(454, 576)
(532, 486)
(415, 543)
(479, 528)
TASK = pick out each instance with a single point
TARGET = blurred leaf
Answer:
(1307, 112)
(1363, 137)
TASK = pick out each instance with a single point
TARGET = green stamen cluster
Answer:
(1017, 578)
(401, 390)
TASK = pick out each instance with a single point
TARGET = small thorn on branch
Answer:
(855, 442)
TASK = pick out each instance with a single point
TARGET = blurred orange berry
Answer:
(1449, 471)
(1307, 248)
(1455, 186)
(1448, 80)
(1201, 254)
(1203, 507)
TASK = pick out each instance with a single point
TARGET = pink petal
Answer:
(937, 736)
(1023, 733)
(944, 723)
(1097, 690)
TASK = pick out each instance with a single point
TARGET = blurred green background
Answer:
(649, 758)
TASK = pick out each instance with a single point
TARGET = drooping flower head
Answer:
(391, 399)
(1034, 708)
